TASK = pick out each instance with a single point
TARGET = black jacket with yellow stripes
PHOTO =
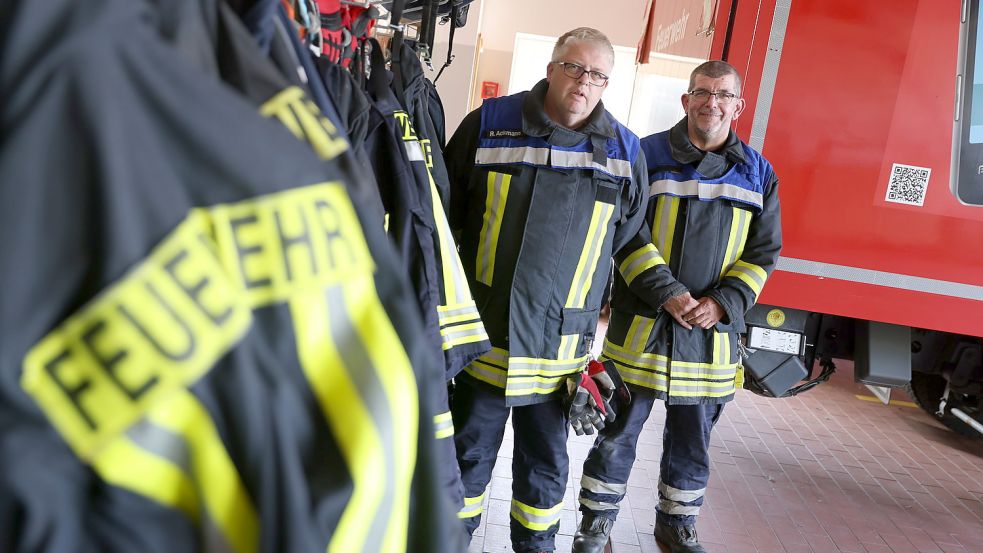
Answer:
(202, 346)
(715, 231)
(540, 210)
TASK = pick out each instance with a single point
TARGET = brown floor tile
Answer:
(819, 473)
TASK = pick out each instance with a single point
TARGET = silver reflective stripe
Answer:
(648, 259)
(493, 375)
(673, 508)
(535, 518)
(725, 388)
(705, 371)
(453, 334)
(535, 156)
(561, 158)
(588, 261)
(165, 444)
(615, 167)
(414, 151)
(368, 386)
(620, 354)
(705, 191)
(769, 74)
(881, 278)
(551, 385)
(443, 425)
(737, 268)
(542, 367)
(472, 506)
(682, 496)
(466, 310)
(596, 486)
(599, 505)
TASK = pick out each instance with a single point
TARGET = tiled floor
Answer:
(822, 472)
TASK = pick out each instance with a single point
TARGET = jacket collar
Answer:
(535, 122)
(710, 164)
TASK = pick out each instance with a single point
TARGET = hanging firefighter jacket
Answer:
(462, 333)
(541, 209)
(415, 98)
(202, 345)
(716, 231)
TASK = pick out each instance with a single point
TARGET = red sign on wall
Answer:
(489, 89)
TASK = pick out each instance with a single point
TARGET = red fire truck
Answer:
(858, 106)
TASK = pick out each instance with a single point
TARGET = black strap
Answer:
(378, 84)
(450, 42)
(395, 52)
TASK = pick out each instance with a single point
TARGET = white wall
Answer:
(500, 20)
(455, 84)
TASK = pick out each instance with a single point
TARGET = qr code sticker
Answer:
(908, 184)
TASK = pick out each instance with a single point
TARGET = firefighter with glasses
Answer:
(545, 187)
(678, 305)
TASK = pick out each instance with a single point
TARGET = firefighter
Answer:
(545, 186)
(678, 305)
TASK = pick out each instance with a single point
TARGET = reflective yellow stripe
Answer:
(491, 226)
(640, 261)
(638, 333)
(449, 314)
(528, 385)
(456, 291)
(587, 265)
(487, 373)
(534, 518)
(472, 506)
(349, 418)
(124, 464)
(716, 347)
(739, 227)
(725, 348)
(664, 224)
(398, 381)
(752, 275)
(568, 346)
(443, 425)
(226, 501)
(456, 335)
(651, 361)
(372, 432)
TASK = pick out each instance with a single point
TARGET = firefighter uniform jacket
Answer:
(716, 231)
(540, 209)
(448, 302)
(202, 346)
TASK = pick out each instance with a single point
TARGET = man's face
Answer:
(710, 119)
(572, 100)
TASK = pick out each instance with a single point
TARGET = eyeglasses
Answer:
(574, 71)
(704, 96)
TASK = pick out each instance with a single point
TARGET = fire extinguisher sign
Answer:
(908, 184)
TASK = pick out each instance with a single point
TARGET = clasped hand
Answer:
(689, 312)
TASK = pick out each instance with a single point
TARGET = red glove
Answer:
(586, 407)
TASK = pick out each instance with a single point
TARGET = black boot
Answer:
(592, 535)
(679, 539)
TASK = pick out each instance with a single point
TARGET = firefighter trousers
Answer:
(450, 473)
(683, 472)
(539, 460)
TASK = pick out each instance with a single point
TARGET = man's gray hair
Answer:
(585, 34)
(716, 69)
